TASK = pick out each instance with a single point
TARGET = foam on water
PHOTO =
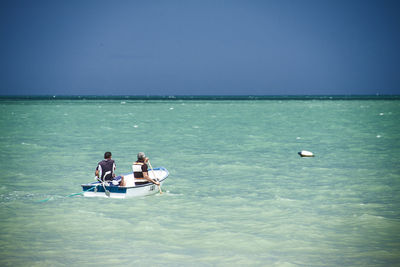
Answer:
(238, 192)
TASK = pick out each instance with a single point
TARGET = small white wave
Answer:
(167, 192)
(283, 199)
(17, 195)
(366, 216)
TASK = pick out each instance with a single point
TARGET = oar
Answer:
(105, 190)
(152, 170)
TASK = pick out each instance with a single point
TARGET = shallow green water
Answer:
(238, 193)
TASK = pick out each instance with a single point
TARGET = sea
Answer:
(238, 193)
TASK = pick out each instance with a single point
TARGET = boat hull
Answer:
(97, 190)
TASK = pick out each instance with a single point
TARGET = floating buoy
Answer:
(305, 153)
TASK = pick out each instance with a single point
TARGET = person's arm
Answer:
(97, 172)
(146, 172)
(147, 177)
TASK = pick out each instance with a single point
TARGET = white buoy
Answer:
(305, 153)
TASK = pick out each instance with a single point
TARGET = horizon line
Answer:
(202, 97)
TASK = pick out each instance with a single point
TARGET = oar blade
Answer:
(155, 177)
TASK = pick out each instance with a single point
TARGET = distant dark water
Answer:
(201, 97)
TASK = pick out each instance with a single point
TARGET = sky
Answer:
(155, 47)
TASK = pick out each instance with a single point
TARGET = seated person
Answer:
(105, 170)
(140, 170)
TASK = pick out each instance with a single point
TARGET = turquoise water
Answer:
(237, 195)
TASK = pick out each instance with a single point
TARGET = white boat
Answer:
(305, 153)
(97, 189)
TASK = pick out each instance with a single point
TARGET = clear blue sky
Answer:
(282, 47)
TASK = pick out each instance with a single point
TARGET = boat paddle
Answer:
(152, 170)
(105, 190)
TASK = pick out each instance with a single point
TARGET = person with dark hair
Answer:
(140, 170)
(105, 170)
